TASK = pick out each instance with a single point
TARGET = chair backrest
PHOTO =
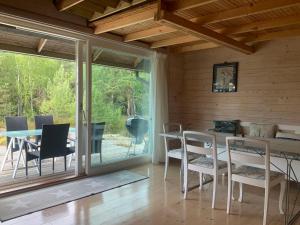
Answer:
(43, 120)
(172, 127)
(200, 143)
(15, 123)
(40, 121)
(97, 134)
(54, 140)
(238, 152)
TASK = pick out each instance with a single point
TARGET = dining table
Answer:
(279, 148)
(20, 137)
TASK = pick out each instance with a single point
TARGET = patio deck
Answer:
(114, 148)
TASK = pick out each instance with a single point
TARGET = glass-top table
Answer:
(19, 137)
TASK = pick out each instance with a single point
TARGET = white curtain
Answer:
(159, 105)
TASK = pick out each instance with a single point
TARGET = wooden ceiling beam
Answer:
(252, 39)
(247, 10)
(263, 25)
(195, 47)
(63, 5)
(130, 17)
(178, 5)
(251, 27)
(41, 44)
(148, 33)
(179, 23)
(174, 41)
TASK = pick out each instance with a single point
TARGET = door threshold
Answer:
(13, 189)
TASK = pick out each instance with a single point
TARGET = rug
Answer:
(32, 201)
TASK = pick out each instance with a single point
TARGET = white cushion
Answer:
(177, 154)
(253, 172)
(208, 163)
(254, 130)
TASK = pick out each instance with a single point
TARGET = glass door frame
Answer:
(130, 50)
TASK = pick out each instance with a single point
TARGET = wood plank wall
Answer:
(268, 86)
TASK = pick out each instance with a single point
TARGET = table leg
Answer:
(8, 150)
(21, 145)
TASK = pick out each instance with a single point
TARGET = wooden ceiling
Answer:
(189, 25)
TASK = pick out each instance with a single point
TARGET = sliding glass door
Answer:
(119, 118)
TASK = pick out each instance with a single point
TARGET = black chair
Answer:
(97, 137)
(40, 121)
(137, 127)
(13, 123)
(53, 144)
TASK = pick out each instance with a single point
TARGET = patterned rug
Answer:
(29, 202)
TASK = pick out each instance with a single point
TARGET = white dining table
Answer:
(286, 149)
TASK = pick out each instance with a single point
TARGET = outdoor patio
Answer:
(114, 148)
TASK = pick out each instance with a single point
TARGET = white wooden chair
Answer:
(206, 163)
(250, 170)
(171, 153)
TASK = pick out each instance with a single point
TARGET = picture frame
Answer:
(225, 77)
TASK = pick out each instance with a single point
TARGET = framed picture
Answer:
(225, 77)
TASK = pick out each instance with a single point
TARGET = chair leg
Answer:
(53, 164)
(241, 192)
(26, 167)
(200, 180)
(65, 162)
(281, 195)
(40, 166)
(266, 205)
(129, 148)
(166, 167)
(185, 181)
(100, 155)
(215, 184)
(70, 160)
(12, 158)
(229, 194)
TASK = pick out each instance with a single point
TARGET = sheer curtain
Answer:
(159, 104)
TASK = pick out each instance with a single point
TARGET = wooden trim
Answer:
(128, 18)
(41, 45)
(195, 47)
(110, 10)
(247, 10)
(188, 4)
(63, 5)
(148, 33)
(97, 53)
(186, 26)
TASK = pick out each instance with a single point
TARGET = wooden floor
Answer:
(153, 201)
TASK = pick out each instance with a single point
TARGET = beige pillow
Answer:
(254, 130)
(267, 130)
(284, 135)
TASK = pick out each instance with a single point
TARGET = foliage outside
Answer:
(33, 85)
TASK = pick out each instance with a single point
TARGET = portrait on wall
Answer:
(225, 77)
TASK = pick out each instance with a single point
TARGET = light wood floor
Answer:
(154, 201)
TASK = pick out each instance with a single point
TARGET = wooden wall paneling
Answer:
(268, 86)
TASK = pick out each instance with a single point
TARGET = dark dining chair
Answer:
(53, 144)
(138, 128)
(40, 121)
(13, 123)
(97, 137)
